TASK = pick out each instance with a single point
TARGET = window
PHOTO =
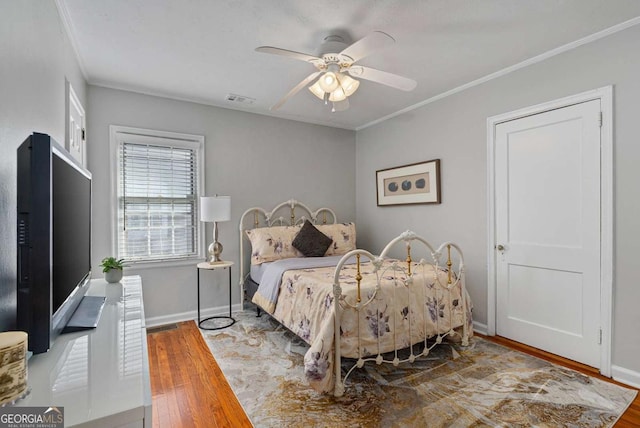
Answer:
(157, 181)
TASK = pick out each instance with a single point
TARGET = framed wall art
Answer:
(75, 138)
(417, 183)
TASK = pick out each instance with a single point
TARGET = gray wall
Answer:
(35, 59)
(257, 160)
(454, 130)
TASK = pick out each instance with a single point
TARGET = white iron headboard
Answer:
(297, 213)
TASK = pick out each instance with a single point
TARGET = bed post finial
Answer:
(409, 259)
(358, 276)
(449, 264)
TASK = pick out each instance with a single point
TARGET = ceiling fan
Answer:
(333, 81)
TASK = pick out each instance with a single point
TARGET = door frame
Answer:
(605, 95)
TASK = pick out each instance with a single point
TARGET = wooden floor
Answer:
(187, 386)
(189, 390)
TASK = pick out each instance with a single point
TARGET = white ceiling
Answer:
(202, 50)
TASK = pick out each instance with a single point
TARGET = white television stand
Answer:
(100, 376)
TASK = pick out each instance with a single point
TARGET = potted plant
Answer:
(112, 269)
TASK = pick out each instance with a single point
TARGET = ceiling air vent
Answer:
(240, 99)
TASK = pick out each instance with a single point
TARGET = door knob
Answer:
(500, 247)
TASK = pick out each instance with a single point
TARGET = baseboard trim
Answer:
(626, 376)
(190, 315)
(478, 327)
(222, 310)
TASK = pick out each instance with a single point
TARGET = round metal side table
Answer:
(215, 266)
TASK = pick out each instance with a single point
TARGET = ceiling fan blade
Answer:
(368, 44)
(291, 54)
(389, 79)
(310, 78)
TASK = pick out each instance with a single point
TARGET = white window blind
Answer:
(157, 200)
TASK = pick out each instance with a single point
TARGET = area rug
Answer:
(483, 385)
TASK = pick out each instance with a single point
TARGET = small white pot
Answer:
(113, 275)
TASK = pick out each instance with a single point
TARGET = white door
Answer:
(547, 175)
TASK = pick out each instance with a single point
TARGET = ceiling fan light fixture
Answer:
(329, 82)
(317, 90)
(348, 84)
(337, 95)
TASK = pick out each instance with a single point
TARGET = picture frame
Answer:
(417, 183)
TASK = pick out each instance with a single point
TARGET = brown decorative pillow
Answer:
(310, 241)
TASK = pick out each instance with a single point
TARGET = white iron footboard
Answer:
(342, 304)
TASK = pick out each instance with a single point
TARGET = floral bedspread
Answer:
(400, 313)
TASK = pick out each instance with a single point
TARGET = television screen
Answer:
(71, 199)
(54, 239)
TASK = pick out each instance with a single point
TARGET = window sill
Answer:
(164, 263)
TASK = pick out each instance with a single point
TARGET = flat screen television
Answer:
(54, 238)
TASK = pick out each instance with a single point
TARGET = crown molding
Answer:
(534, 60)
(68, 28)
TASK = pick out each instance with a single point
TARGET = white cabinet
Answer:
(99, 376)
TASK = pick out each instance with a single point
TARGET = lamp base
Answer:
(215, 249)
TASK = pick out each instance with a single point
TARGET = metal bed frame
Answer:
(342, 304)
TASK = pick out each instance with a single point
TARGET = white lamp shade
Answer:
(215, 208)
(317, 90)
(328, 81)
(348, 84)
(337, 95)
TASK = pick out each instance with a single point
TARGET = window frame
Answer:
(118, 135)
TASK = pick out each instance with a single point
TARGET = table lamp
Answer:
(215, 209)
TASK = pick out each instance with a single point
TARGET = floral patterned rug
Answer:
(483, 385)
